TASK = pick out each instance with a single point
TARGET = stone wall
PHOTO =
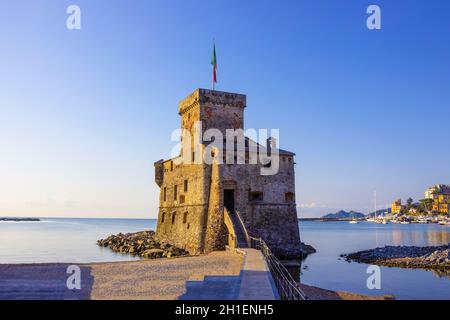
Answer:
(215, 109)
(216, 235)
(274, 218)
(186, 230)
(277, 225)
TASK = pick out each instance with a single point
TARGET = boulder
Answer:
(152, 253)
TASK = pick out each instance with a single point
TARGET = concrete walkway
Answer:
(253, 283)
(139, 280)
(256, 280)
(217, 276)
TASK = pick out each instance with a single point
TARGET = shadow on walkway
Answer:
(250, 284)
(213, 288)
(42, 282)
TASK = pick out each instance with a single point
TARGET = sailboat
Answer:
(377, 218)
(373, 218)
(385, 220)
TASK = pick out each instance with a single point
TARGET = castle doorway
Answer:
(228, 200)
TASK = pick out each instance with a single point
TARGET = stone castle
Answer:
(200, 202)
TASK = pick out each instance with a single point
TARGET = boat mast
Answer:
(375, 200)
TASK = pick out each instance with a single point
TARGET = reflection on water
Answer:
(331, 239)
(423, 237)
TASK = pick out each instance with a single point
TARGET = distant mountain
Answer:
(344, 215)
(380, 212)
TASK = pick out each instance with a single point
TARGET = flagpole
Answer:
(214, 65)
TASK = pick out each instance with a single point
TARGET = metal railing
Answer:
(287, 287)
(244, 228)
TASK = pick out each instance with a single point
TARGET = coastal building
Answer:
(434, 191)
(441, 204)
(201, 203)
(440, 194)
(396, 207)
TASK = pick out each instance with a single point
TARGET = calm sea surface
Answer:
(64, 240)
(325, 270)
(74, 240)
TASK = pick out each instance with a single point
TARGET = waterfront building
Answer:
(434, 191)
(441, 204)
(440, 194)
(396, 206)
(195, 195)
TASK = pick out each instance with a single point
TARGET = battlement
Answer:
(212, 98)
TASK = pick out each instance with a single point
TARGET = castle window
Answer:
(289, 196)
(171, 165)
(165, 194)
(268, 165)
(255, 196)
(173, 217)
(193, 156)
(185, 216)
(182, 198)
(163, 216)
(175, 192)
(185, 185)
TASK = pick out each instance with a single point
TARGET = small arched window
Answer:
(163, 216)
(185, 217)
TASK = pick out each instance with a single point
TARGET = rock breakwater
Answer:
(143, 244)
(431, 258)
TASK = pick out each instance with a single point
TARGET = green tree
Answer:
(425, 205)
(409, 202)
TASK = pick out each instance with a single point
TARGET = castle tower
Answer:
(215, 109)
(194, 195)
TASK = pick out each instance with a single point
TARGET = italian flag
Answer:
(214, 64)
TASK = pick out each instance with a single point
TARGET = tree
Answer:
(425, 205)
(409, 202)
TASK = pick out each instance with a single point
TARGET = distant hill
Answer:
(344, 215)
(380, 212)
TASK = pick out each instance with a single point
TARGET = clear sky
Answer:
(85, 113)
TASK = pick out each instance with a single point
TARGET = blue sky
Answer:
(85, 113)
